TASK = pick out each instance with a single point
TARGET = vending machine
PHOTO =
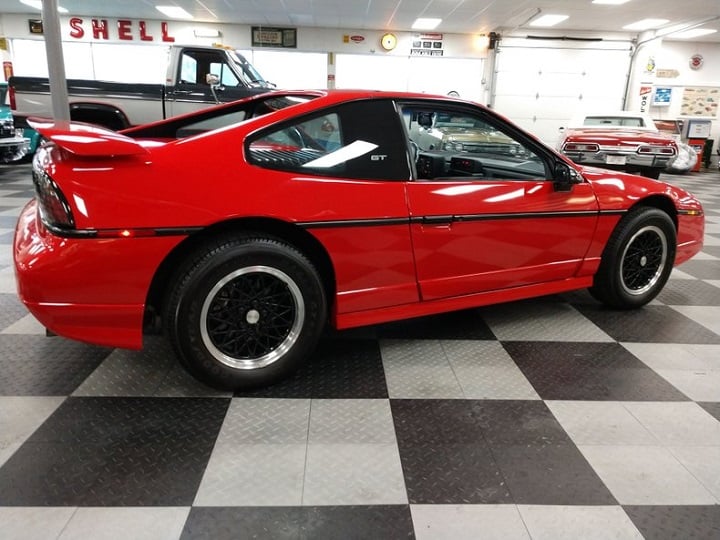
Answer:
(695, 133)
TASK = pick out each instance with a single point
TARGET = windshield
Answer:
(252, 76)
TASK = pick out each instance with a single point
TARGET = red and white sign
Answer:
(123, 29)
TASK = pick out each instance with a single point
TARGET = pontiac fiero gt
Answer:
(244, 230)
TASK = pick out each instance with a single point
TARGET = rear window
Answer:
(614, 121)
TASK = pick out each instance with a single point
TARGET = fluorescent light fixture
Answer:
(646, 24)
(549, 20)
(610, 2)
(426, 24)
(207, 32)
(37, 4)
(174, 12)
(695, 32)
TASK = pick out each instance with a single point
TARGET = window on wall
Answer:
(291, 70)
(459, 143)
(361, 140)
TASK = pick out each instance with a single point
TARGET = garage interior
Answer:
(545, 418)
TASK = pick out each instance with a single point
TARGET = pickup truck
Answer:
(619, 140)
(197, 77)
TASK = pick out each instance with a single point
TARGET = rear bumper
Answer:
(619, 160)
(86, 289)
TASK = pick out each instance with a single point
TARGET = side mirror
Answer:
(212, 79)
(564, 176)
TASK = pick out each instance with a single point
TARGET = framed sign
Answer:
(266, 36)
(662, 96)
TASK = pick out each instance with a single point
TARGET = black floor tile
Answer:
(682, 292)
(676, 522)
(311, 523)
(12, 309)
(33, 365)
(115, 452)
(457, 452)
(339, 369)
(466, 324)
(650, 324)
(550, 474)
(589, 371)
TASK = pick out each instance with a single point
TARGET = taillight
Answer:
(54, 208)
(11, 94)
(656, 150)
(578, 147)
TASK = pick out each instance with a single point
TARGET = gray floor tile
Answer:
(351, 421)
(253, 475)
(678, 424)
(468, 522)
(265, 421)
(708, 316)
(341, 474)
(33, 523)
(126, 523)
(574, 522)
(704, 463)
(640, 475)
(20, 417)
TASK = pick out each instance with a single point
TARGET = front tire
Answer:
(637, 260)
(245, 312)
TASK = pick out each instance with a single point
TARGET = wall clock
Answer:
(388, 41)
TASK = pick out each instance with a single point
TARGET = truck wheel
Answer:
(637, 260)
(245, 312)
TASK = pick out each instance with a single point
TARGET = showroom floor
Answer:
(552, 418)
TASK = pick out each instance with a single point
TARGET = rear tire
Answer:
(245, 312)
(637, 260)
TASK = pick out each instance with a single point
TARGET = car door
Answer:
(485, 211)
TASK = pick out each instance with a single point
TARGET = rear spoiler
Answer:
(86, 139)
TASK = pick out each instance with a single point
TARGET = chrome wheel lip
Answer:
(278, 352)
(663, 244)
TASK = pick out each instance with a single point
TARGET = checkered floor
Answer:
(552, 418)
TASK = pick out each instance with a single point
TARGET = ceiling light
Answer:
(174, 12)
(696, 32)
(646, 24)
(426, 24)
(610, 2)
(37, 4)
(549, 20)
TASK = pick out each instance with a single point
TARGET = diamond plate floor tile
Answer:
(689, 293)
(712, 408)
(135, 523)
(485, 370)
(33, 523)
(704, 463)
(266, 421)
(353, 474)
(356, 421)
(115, 452)
(468, 522)
(651, 324)
(41, 366)
(640, 475)
(12, 310)
(589, 371)
(675, 522)
(708, 316)
(702, 269)
(418, 369)
(379, 522)
(540, 320)
(466, 324)
(19, 418)
(600, 423)
(573, 522)
(678, 424)
(340, 368)
(253, 475)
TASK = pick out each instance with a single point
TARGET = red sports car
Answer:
(244, 229)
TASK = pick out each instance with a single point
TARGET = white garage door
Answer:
(541, 88)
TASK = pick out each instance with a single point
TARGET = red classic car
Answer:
(623, 141)
(244, 229)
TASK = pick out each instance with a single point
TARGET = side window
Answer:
(360, 140)
(188, 69)
(450, 143)
(224, 73)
